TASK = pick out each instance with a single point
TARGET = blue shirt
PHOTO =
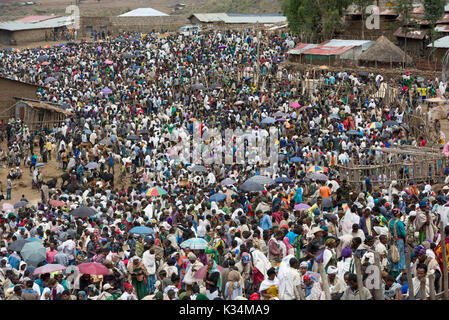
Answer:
(291, 236)
(265, 222)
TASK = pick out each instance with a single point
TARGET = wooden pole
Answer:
(358, 268)
(444, 255)
(431, 286)
(378, 292)
(411, 291)
(325, 281)
(423, 289)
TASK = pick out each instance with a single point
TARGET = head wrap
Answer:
(332, 270)
(346, 252)
(245, 257)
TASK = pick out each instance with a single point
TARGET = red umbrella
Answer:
(202, 271)
(49, 268)
(57, 203)
(93, 268)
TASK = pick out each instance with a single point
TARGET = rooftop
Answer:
(46, 24)
(239, 18)
(143, 12)
(321, 50)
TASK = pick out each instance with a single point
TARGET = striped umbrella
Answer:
(194, 244)
(317, 169)
(155, 192)
(375, 125)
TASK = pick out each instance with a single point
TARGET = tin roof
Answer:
(301, 48)
(47, 24)
(34, 19)
(411, 34)
(445, 19)
(327, 50)
(239, 18)
(365, 44)
(143, 12)
(441, 43)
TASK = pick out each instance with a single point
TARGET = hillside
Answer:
(11, 9)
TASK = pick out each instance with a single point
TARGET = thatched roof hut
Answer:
(384, 52)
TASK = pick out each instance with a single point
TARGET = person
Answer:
(212, 279)
(137, 274)
(336, 284)
(129, 293)
(8, 189)
(353, 290)
(420, 276)
(233, 286)
(391, 289)
(398, 238)
(17, 293)
(292, 282)
(269, 288)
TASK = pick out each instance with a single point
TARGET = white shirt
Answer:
(291, 282)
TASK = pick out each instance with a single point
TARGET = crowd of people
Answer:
(158, 227)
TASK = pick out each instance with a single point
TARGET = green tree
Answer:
(361, 6)
(403, 9)
(434, 10)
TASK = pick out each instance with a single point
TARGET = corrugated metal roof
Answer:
(301, 48)
(445, 19)
(47, 24)
(239, 18)
(441, 43)
(365, 44)
(446, 8)
(327, 50)
(45, 106)
(442, 28)
(411, 34)
(143, 12)
(33, 19)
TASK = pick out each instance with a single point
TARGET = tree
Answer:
(434, 10)
(403, 9)
(315, 18)
(361, 6)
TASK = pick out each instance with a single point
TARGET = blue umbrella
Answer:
(141, 230)
(218, 197)
(195, 244)
(227, 182)
(33, 253)
(251, 186)
(353, 133)
(34, 240)
(20, 204)
(334, 116)
(268, 120)
(40, 164)
(296, 159)
(92, 165)
(282, 180)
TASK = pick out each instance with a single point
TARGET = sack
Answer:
(394, 253)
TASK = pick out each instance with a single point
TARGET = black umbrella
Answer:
(84, 212)
(128, 56)
(199, 168)
(42, 58)
(17, 245)
(71, 43)
(133, 137)
(390, 123)
(20, 204)
(198, 86)
(143, 131)
(251, 186)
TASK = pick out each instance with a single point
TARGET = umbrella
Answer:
(141, 230)
(106, 90)
(268, 120)
(262, 180)
(251, 186)
(334, 116)
(194, 244)
(198, 86)
(282, 180)
(239, 103)
(84, 212)
(317, 169)
(323, 67)
(222, 47)
(281, 120)
(202, 271)
(108, 62)
(318, 176)
(42, 58)
(301, 206)
(93, 268)
(133, 137)
(106, 142)
(57, 203)
(227, 182)
(20, 204)
(35, 240)
(128, 56)
(390, 123)
(352, 133)
(87, 131)
(92, 165)
(295, 105)
(50, 79)
(143, 131)
(71, 43)
(45, 63)
(49, 268)
(199, 168)
(375, 125)
(40, 164)
(7, 207)
(215, 86)
(17, 245)
(279, 114)
(218, 197)
(33, 253)
(155, 192)
(296, 159)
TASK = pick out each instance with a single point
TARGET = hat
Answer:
(412, 214)
(107, 286)
(304, 264)
(332, 270)
(316, 229)
(422, 204)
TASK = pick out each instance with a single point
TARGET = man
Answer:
(51, 253)
(439, 250)
(429, 262)
(424, 223)
(17, 293)
(265, 220)
(275, 249)
(129, 293)
(366, 223)
(353, 292)
(292, 282)
(356, 232)
(69, 248)
(29, 293)
(421, 274)
(336, 284)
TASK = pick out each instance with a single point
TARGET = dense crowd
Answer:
(131, 218)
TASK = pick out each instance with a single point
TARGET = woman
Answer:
(347, 263)
(46, 294)
(82, 295)
(399, 238)
(137, 275)
(392, 289)
(233, 287)
(212, 278)
(269, 288)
